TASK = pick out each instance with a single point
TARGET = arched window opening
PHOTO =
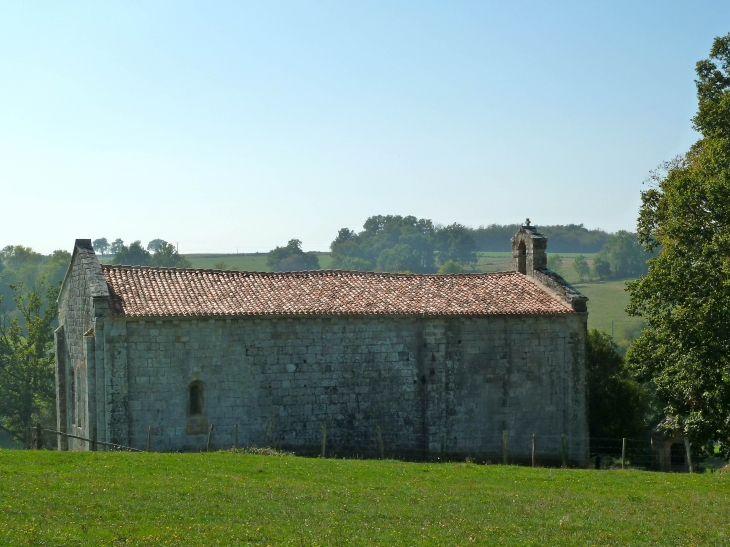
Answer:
(196, 395)
(522, 258)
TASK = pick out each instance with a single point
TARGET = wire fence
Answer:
(509, 448)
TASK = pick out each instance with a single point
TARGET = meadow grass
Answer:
(52, 498)
(607, 301)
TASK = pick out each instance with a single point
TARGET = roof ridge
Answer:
(300, 272)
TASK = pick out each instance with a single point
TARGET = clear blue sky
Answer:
(244, 124)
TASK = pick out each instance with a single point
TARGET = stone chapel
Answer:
(416, 366)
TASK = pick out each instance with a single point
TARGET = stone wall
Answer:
(427, 386)
(432, 385)
(82, 302)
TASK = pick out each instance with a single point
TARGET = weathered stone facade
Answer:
(426, 385)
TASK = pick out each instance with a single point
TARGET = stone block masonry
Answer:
(433, 385)
(431, 366)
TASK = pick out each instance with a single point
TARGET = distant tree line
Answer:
(158, 253)
(568, 238)
(394, 243)
(621, 257)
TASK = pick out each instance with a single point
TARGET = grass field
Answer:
(52, 498)
(606, 304)
(244, 262)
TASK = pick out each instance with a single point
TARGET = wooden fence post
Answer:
(235, 437)
(505, 449)
(210, 438)
(149, 438)
(38, 437)
(690, 467)
(565, 451)
(267, 435)
(324, 440)
(623, 453)
(380, 444)
(534, 451)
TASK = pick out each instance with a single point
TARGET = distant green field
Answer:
(244, 262)
(224, 498)
(606, 305)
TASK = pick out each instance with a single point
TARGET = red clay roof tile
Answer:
(159, 292)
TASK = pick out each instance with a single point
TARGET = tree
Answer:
(166, 256)
(364, 250)
(455, 243)
(555, 262)
(601, 267)
(26, 361)
(116, 246)
(292, 258)
(401, 258)
(625, 255)
(451, 267)
(580, 265)
(154, 245)
(617, 404)
(685, 296)
(101, 246)
(134, 255)
(21, 264)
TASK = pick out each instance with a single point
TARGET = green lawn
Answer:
(51, 498)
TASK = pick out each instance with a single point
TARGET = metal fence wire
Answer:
(503, 448)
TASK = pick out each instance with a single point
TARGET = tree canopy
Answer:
(617, 404)
(394, 243)
(568, 238)
(685, 296)
(622, 257)
(26, 360)
(165, 256)
(292, 258)
(101, 246)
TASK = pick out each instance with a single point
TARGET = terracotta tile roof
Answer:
(158, 292)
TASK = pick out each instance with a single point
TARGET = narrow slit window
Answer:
(196, 399)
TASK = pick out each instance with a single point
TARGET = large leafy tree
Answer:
(166, 256)
(292, 258)
(387, 243)
(456, 243)
(134, 255)
(622, 256)
(26, 360)
(685, 297)
(101, 246)
(617, 404)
